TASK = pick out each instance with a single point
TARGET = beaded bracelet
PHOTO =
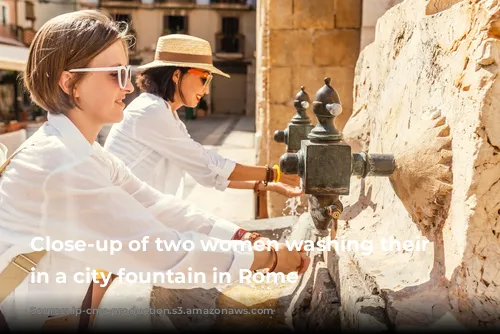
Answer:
(253, 237)
(275, 263)
(268, 173)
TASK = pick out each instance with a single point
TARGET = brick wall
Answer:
(299, 42)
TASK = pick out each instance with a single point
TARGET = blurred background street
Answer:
(233, 138)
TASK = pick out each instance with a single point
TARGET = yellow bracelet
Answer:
(279, 173)
(101, 273)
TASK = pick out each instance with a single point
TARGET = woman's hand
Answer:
(283, 189)
(286, 260)
(291, 260)
(290, 179)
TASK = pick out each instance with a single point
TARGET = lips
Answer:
(198, 97)
(120, 102)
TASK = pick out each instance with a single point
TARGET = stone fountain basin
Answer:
(295, 306)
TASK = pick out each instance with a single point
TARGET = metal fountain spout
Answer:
(325, 163)
(299, 126)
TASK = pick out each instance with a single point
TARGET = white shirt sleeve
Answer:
(208, 168)
(80, 202)
(3, 153)
(169, 209)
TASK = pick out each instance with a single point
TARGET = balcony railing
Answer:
(230, 43)
(112, 3)
(241, 2)
(176, 2)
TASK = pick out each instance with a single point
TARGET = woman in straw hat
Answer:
(64, 199)
(154, 142)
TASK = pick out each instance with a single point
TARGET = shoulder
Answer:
(146, 105)
(149, 114)
(146, 111)
(43, 162)
(47, 151)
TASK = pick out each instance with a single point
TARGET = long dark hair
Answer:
(158, 81)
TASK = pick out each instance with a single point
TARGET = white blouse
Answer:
(156, 146)
(60, 186)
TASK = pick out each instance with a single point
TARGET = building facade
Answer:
(17, 29)
(229, 26)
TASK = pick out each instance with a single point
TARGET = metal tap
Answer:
(299, 126)
(325, 163)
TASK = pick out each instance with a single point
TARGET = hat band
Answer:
(183, 57)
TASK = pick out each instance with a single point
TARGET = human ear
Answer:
(65, 82)
(176, 76)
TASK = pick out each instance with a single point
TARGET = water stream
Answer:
(293, 205)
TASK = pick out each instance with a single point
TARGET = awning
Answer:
(13, 58)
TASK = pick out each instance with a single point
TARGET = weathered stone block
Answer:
(339, 47)
(281, 14)
(437, 112)
(319, 308)
(162, 298)
(348, 13)
(317, 14)
(436, 6)
(290, 48)
(280, 83)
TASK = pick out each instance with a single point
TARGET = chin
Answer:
(116, 117)
(119, 118)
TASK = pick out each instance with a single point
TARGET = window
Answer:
(230, 39)
(173, 24)
(30, 11)
(230, 26)
(4, 15)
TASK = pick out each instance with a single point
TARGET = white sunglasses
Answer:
(124, 73)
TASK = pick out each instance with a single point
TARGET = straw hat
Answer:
(183, 51)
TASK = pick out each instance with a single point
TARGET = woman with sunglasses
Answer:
(62, 188)
(155, 144)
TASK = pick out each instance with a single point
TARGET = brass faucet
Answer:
(299, 126)
(325, 163)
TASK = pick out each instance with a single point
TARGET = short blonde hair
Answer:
(66, 42)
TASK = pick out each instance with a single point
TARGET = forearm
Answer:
(249, 173)
(249, 185)
(242, 185)
(171, 211)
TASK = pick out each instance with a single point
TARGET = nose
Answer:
(129, 88)
(207, 89)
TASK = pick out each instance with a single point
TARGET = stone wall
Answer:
(427, 91)
(372, 11)
(299, 42)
